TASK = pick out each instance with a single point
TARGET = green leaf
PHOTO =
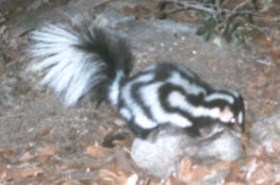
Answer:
(201, 30)
(218, 3)
(161, 15)
(208, 35)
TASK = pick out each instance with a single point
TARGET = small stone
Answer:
(119, 122)
(162, 150)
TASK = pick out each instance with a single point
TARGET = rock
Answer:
(159, 157)
(265, 133)
(161, 152)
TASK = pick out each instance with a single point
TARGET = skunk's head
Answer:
(230, 105)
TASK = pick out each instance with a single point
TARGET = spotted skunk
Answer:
(98, 62)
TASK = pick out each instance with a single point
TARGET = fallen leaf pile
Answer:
(45, 164)
(258, 169)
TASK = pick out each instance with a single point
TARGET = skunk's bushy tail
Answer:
(80, 62)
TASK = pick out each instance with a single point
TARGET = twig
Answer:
(260, 30)
(191, 5)
(241, 5)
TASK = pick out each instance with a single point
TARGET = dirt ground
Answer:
(44, 142)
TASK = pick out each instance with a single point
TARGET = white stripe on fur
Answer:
(150, 97)
(140, 118)
(72, 72)
(219, 96)
(176, 99)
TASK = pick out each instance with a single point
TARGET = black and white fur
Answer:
(99, 62)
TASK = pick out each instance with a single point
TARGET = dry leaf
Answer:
(185, 167)
(185, 170)
(25, 172)
(222, 165)
(97, 151)
(45, 153)
(76, 167)
(147, 180)
(47, 149)
(42, 154)
(235, 171)
(66, 182)
(46, 132)
(235, 183)
(264, 172)
(3, 174)
(251, 168)
(112, 176)
(26, 157)
(6, 154)
(173, 181)
(199, 172)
